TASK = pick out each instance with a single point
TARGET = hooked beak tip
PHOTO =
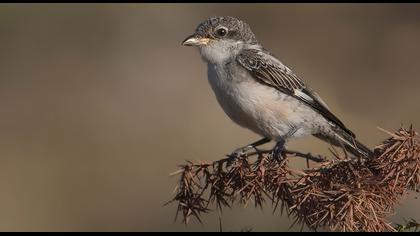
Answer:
(193, 40)
(190, 41)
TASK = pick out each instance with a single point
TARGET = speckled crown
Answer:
(238, 30)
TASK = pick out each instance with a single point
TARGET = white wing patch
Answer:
(302, 95)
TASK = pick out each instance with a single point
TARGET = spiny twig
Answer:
(344, 193)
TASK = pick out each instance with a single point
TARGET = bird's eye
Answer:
(221, 32)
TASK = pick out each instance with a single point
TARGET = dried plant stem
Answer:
(308, 156)
(343, 193)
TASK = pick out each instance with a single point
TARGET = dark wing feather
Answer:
(269, 71)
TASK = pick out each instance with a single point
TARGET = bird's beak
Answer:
(195, 40)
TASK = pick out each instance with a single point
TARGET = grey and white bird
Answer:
(260, 93)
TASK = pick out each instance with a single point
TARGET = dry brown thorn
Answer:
(343, 193)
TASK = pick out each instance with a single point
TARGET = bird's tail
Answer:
(341, 138)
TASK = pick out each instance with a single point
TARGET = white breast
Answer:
(257, 107)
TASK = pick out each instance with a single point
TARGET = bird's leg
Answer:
(279, 148)
(240, 151)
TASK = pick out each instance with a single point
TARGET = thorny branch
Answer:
(341, 193)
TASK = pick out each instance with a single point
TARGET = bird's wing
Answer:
(266, 69)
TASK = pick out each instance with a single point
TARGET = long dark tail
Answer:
(339, 137)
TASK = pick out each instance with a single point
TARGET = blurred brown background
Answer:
(100, 102)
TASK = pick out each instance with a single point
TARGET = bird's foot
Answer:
(278, 151)
(241, 152)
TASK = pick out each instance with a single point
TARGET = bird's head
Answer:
(219, 38)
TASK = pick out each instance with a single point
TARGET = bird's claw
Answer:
(278, 151)
(240, 152)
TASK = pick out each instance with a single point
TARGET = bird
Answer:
(260, 93)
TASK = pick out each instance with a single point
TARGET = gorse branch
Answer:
(340, 193)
